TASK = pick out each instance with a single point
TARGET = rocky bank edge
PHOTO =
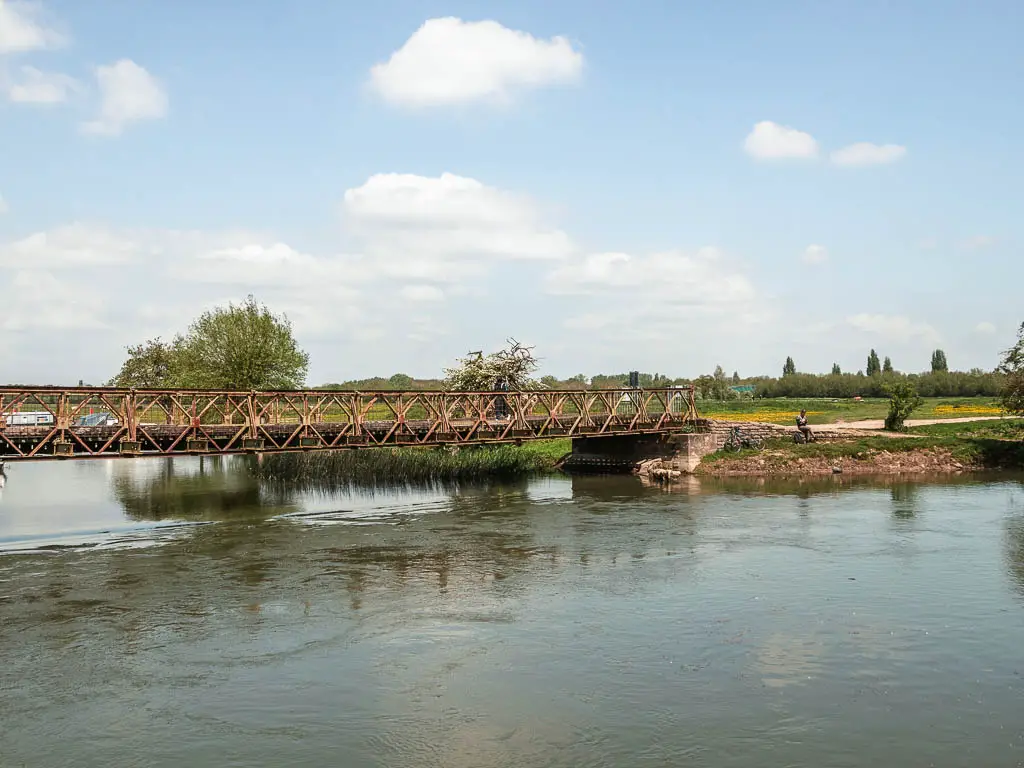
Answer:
(782, 462)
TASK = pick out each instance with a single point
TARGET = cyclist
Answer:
(801, 424)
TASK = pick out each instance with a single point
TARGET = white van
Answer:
(28, 418)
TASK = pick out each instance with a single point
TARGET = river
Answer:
(178, 613)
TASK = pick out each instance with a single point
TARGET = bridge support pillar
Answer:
(679, 452)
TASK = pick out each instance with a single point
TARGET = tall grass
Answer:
(413, 465)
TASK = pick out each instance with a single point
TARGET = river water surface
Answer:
(177, 613)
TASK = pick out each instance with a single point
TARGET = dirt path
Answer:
(880, 423)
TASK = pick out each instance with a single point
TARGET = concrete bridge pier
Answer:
(672, 452)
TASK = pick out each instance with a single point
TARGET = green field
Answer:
(829, 411)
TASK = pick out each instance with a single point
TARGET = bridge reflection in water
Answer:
(94, 421)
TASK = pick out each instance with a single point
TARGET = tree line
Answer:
(246, 346)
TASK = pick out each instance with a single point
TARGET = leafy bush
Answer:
(1012, 366)
(903, 400)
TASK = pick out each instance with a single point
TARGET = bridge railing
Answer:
(93, 421)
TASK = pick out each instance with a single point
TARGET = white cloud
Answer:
(421, 293)
(451, 61)
(128, 93)
(24, 27)
(985, 327)
(68, 246)
(979, 241)
(37, 87)
(38, 300)
(815, 254)
(668, 278)
(896, 328)
(648, 301)
(446, 228)
(771, 141)
(866, 153)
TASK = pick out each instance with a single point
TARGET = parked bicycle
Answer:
(737, 441)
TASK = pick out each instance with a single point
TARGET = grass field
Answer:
(827, 411)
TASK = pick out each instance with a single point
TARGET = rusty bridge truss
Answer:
(88, 422)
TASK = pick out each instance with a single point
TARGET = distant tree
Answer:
(579, 379)
(939, 361)
(1012, 367)
(705, 386)
(887, 365)
(789, 368)
(903, 400)
(150, 365)
(240, 347)
(735, 377)
(874, 366)
(836, 370)
(400, 381)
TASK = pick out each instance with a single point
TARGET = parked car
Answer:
(102, 419)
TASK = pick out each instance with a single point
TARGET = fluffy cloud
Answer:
(451, 61)
(37, 87)
(128, 94)
(651, 299)
(985, 327)
(24, 27)
(979, 241)
(69, 246)
(703, 278)
(422, 293)
(771, 141)
(38, 300)
(442, 228)
(815, 254)
(896, 328)
(866, 153)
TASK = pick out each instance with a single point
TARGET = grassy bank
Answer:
(828, 411)
(935, 448)
(403, 465)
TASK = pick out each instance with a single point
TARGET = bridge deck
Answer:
(163, 422)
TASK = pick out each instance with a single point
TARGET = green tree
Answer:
(939, 361)
(887, 365)
(240, 347)
(735, 377)
(400, 381)
(874, 367)
(1012, 367)
(836, 370)
(150, 365)
(789, 368)
(705, 386)
(903, 400)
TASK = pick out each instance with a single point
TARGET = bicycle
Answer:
(737, 441)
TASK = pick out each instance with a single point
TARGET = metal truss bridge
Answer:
(93, 422)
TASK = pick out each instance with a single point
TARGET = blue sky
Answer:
(408, 182)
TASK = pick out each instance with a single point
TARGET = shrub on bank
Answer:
(398, 465)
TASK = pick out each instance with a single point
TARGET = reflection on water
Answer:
(591, 621)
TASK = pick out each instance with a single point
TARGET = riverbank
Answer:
(932, 449)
